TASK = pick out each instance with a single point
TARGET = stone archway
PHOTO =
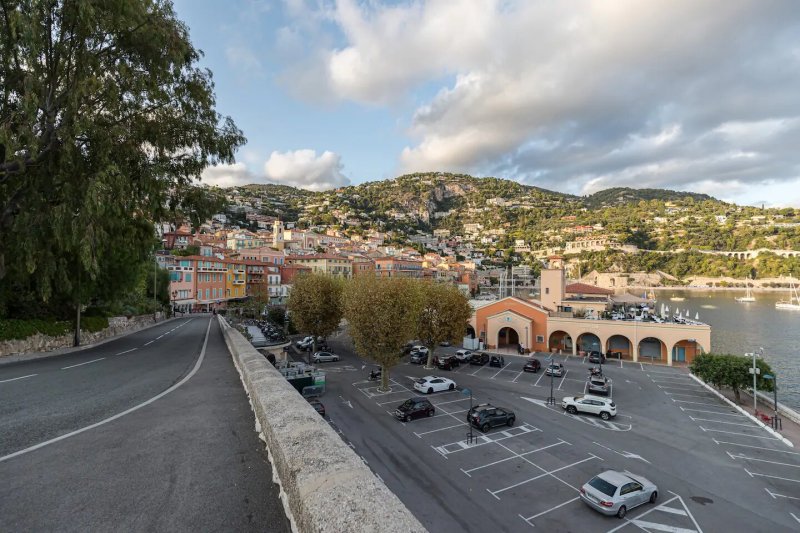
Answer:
(588, 342)
(560, 341)
(507, 337)
(653, 350)
(684, 351)
(470, 332)
(620, 344)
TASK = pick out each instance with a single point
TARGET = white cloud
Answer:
(227, 175)
(303, 168)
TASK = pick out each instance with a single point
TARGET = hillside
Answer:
(626, 195)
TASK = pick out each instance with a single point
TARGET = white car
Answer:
(324, 357)
(463, 355)
(585, 403)
(305, 342)
(430, 384)
(420, 349)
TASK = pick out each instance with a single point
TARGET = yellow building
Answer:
(332, 265)
(235, 280)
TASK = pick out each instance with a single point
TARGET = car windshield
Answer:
(407, 404)
(603, 486)
(422, 381)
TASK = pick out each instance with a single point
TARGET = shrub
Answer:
(22, 329)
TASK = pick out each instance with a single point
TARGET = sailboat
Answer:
(794, 299)
(748, 297)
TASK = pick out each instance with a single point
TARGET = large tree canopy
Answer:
(105, 118)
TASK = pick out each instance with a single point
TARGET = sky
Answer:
(569, 95)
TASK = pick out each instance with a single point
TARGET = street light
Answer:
(755, 371)
(551, 400)
(470, 436)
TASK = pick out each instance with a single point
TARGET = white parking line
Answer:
(81, 364)
(795, 517)
(538, 380)
(547, 473)
(451, 401)
(688, 395)
(480, 440)
(694, 389)
(508, 365)
(712, 412)
(419, 435)
(537, 515)
(516, 378)
(715, 404)
(735, 433)
(21, 377)
(756, 447)
(742, 456)
(450, 413)
(722, 422)
(515, 456)
(775, 495)
(126, 351)
(772, 477)
(562, 379)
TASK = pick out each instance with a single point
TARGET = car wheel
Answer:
(430, 390)
(335, 359)
(604, 415)
(451, 387)
(622, 511)
(430, 413)
(485, 428)
(511, 421)
(654, 496)
(408, 418)
(571, 409)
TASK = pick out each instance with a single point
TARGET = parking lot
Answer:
(528, 476)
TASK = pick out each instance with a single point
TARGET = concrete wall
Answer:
(325, 485)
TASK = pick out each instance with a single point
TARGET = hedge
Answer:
(11, 329)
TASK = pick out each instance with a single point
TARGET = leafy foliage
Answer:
(315, 304)
(725, 370)
(11, 329)
(443, 313)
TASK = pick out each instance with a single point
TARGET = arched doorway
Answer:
(652, 349)
(470, 332)
(560, 340)
(620, 344)
(507, 337)
(588, 342)
(685, 351)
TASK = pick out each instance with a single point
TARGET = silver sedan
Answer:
(616, 493)
(324, 357)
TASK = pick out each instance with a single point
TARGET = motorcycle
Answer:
(595, 371)
(374, 375)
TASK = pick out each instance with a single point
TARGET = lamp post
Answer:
(755, 371)
(174, 297)
(155, 273)
(470, 436)
(551, 399)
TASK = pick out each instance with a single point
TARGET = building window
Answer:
(199, 295)
(547, 290)
(187, 277)
(207, 294)
(540, 339)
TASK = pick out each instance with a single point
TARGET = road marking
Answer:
(81, 364)
(450, 401)
(348, 403)
(722, 422)
(697, 403)
(672, 510)
(688, 395)
(795, 517)
(515, 485)
(537, 515)
(439, 429)
(508, 365)
(623, 453)
(123, 413)
(735, 433)
(641, 366)
(711, 412)
(693, 389)
(21, 377)
(516, 378)
(515, 456)
(481, 439)
(742, 456)
(151, 342)
(126, 351)
(660, 527)
(646, 525)
(772, 477)
(160, 336)
(756, 447)
(538, 380)
(562, 379)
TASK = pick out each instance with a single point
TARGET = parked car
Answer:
(317, 405)
(596, 357)
(497, 360)
(414, 408)
(430, 384)
(447, 363)
(616, 493)
(418, 358)
(488, 416)
(598, 385)
(444, 344)
(479, 358)
(463, 355)
(305, 342)
(532, 365)
(325, 357)
(596, 405)
(407, 347)
(419, 349)
(555, 369)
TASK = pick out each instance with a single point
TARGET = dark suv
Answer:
(596, 357)
(479, 359)
(487, 416)
(447, 363)
(414, 408)
(498, 361)
(532, 365)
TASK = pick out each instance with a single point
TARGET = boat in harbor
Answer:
(677, 298)
(748, 297)
(794, 299)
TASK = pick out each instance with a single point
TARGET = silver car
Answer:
(324, 357)
(616, 493)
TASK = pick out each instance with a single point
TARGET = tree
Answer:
(104, 118)
(315, 304)
(383, 315)
(443, 315)
(733, 371)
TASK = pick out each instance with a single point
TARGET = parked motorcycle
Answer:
(595, 371)
(375, 375)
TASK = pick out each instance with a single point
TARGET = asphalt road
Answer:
(715, 470)
(189, 459)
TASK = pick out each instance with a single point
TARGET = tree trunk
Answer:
(384, 379)
(76, 341)
(429, 365)
(736, 395)
(313, 348)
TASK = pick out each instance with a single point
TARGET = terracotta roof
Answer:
(584, 288)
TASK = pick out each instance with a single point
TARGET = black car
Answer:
(447, 363)
(414, 408)
(317, 405)
(488, 416)
(532, 365)
(596, 357)
(479, 359)
(418, 358)
(497, 360)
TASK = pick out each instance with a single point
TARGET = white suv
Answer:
(604, 407)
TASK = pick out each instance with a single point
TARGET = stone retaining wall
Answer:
(44, 343)
(324, 484)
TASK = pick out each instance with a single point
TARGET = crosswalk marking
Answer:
(661, 527)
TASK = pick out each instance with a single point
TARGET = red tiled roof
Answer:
(584, 288)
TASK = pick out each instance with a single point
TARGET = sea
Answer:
(739, 328)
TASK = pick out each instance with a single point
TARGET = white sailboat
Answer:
(748, 297)
(794, 299)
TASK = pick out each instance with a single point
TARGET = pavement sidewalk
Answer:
(789, 428)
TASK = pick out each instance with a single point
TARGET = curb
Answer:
(738, 408)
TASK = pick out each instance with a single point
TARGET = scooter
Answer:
(374, 375)
(595, 371)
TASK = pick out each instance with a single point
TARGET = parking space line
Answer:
(419, 435)
(712, 412)
(742, 456)
(537, 466)
(451, 401)
(538, 380)
(772, 477)
(720, 442)
(547, 473)
(647, 526)
(695, 389)
(688, 395)
(462, 445)
(722, 422)
(562, 379)
(537, 515)
(450, 413)
(735, 433)
(508, 365)
(715, 404)
(795, 517)
(560, 441)
(518, 375)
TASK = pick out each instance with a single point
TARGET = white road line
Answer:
(627, 522)
(538, 380)
(515, 485)
(562, 379)
(439, 429)
(688, 395)
(694, 389)
(742, 456)
(126, 351)
(516, 455)
(795, 517)
(723, 422)
(123, 413)
(711, 412)
(451, 401)
(735, 433)
(451, 413)
(641, 366)
(696, 403)
(672, 510)
(660, 527)
(516, 378)
(81, 364)
(508, 365)
(21, 377)
(537, 515)
(756, 447)
(539, 467)
(151, 342)
(772, 477)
